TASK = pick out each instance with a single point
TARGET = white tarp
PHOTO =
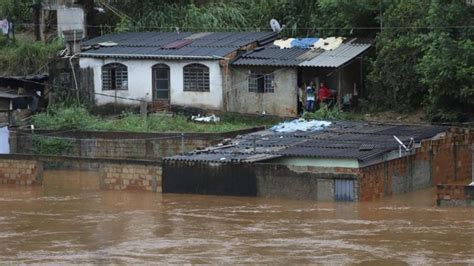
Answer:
(4, 143)
(300, 125)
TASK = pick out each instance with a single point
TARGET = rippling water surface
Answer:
(54, 225)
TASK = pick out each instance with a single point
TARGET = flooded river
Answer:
(50, 224)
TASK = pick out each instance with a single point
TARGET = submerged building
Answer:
(346, 161)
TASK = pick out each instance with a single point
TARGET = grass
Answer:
(78, 118)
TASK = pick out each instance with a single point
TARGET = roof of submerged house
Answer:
(341, 140)
(172, 45)
(273, 55)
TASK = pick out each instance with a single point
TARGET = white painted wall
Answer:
(140, 83)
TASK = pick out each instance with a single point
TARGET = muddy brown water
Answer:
(56, 224)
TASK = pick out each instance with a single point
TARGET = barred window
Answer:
(259, 82)
(196, 77)
(114, 77)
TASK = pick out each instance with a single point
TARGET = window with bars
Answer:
(196, 77)
(260, 82)
(114, 77)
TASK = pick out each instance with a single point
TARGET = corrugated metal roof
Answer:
(337, 57)
(205, 45)
(272, 55)
(350, 140)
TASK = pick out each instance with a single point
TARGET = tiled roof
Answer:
(272, 55)
(343, 140)
(173, 45)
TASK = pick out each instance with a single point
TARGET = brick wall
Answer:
(444, 160)
(113, 174)
(20, 172)
(131, 177)
(455, 195)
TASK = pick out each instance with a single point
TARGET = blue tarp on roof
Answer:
(304, 42)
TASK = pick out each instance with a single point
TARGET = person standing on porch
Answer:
(310, 97)
(323, 93)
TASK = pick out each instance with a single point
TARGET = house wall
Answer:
(140, 83)
(71, 19)
(283, 102)
(316, 183)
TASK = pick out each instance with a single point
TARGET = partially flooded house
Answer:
(345, 161)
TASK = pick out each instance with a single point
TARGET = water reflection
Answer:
(45, 225)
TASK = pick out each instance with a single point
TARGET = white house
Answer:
(177, 69)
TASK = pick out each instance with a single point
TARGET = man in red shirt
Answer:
(323, 93)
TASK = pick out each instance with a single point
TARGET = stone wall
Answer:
(455, 195)
(113, 174)
(444, 160)
(123, 145)
(20, 172)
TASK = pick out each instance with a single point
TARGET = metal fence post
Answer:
(182, 144)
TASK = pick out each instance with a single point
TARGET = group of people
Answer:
(314, 96)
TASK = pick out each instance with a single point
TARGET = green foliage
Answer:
(18, 11)
(51, 145)
(425, 59)
(302, 18)
(78, 118)
(326, 113)
(21, 57)
(69, 118)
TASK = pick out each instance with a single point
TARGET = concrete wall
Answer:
(282, 102)
(300, 182)
(140, 83)
(444, 160)
(455, 195)
(123, 145)
(113, 174)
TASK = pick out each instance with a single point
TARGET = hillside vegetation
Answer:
(424, 49)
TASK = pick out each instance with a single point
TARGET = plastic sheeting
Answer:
(330, 43)
(4, 143)
(300, 125)
(283, 43)
(206, 119)
(304, 42)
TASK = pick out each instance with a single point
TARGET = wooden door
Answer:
(161, 83)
